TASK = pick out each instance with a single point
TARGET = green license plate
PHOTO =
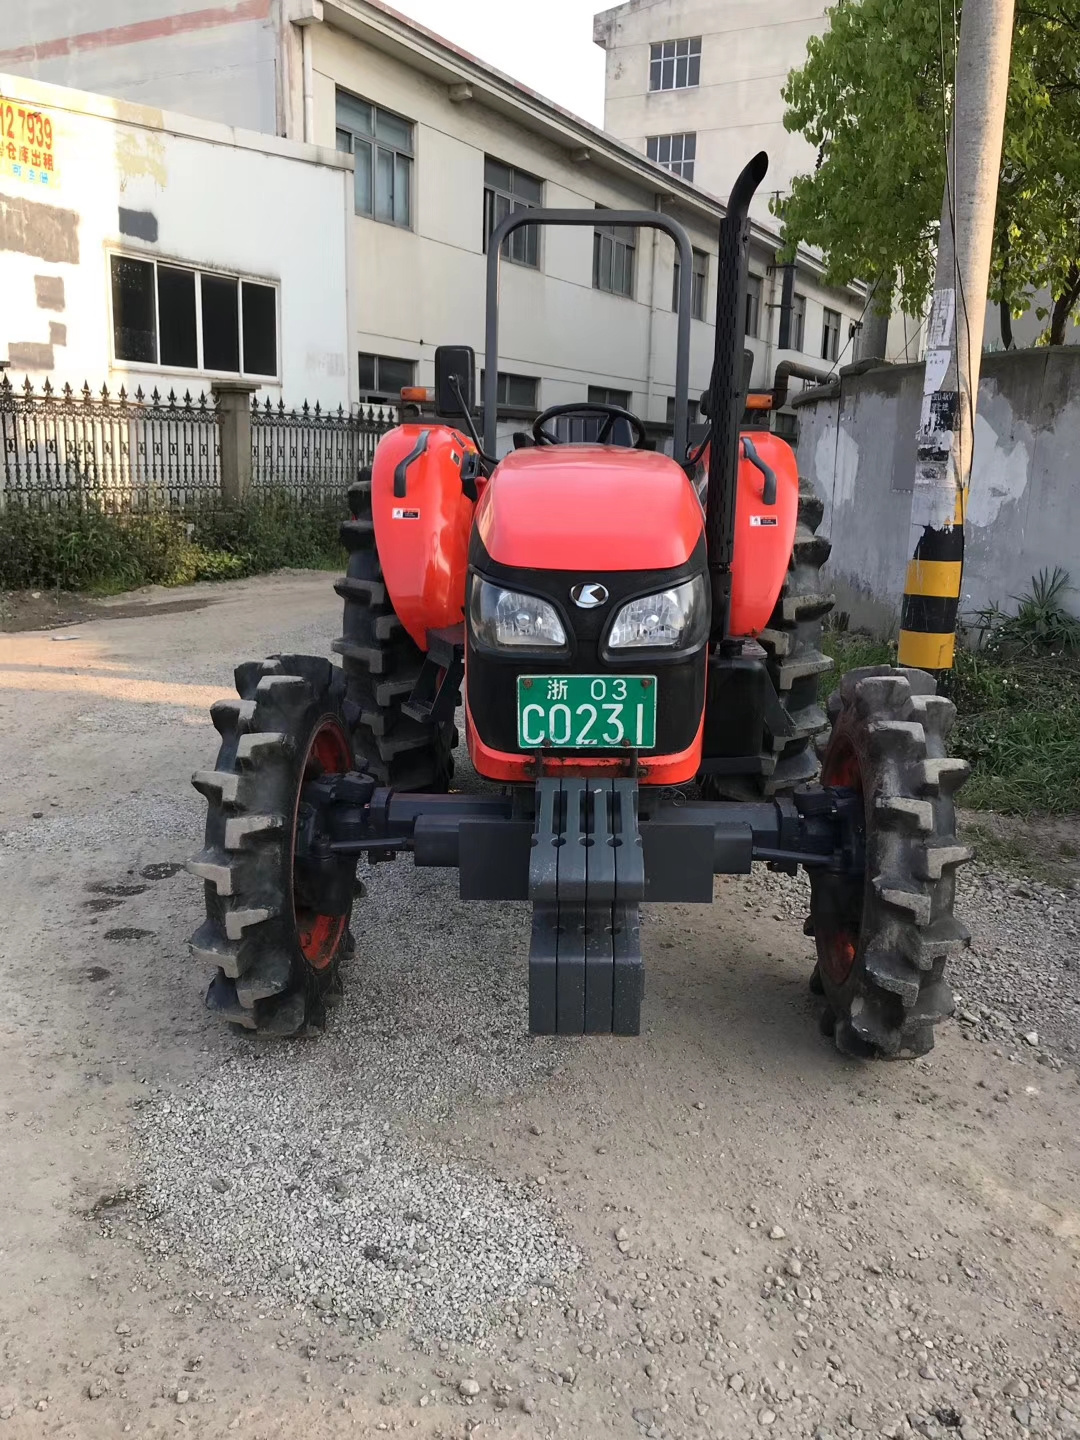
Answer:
(584, 712)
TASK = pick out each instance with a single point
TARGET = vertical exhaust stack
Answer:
(726, 389)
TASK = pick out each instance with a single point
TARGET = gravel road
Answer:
(426, 1222)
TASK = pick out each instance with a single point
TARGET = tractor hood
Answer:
(582, 507)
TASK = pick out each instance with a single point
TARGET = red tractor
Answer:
(638, 670)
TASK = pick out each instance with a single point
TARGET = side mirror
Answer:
(455, 380)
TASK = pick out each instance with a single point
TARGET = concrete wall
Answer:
(736, 110)
(1023, 515)
(148, 183)
(217, 61)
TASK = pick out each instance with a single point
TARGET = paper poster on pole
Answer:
(940, 326)
(937, 367)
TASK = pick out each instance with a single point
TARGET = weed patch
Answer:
(92, 549)
(1018, 722)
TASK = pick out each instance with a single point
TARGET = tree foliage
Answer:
(875, 99)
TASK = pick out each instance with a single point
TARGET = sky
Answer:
(546, 46)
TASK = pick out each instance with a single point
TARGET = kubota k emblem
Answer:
(589, 595)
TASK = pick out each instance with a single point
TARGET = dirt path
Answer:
(428, 1223)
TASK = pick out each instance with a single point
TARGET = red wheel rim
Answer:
(837, 932)
(319, 936)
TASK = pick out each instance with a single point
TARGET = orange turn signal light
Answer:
(759, 401)
(416, 395)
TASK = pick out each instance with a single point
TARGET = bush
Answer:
(274, 531)
(1041, 626)
(90, 548)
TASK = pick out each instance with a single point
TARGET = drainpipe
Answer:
(658, 206)
(309, 86)
(770, 308)
(784, 373)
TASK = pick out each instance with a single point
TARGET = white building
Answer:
(697, 84)
(144, 248)
(443, 146)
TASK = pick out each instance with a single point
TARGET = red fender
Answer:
(422, 523)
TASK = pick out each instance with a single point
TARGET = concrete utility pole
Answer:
(954, 338)
(872, 341)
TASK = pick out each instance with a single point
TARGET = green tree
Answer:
(875, 97)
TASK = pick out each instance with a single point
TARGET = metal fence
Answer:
(73, 448)
(312, 453)
(68, 448)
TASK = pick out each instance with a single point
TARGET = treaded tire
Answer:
(251, 934)
(792, 642)
(794, 660)
(883, 939)
(381, 663)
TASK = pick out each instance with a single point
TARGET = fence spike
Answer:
(68, 393)
(139, 396)
(122, 396)
(28, 389)
(281, 406)
(187, 400)
(155, 398)
(105, 394)
(304, 407)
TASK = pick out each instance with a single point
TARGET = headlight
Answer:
(675, 619)
(507, 619)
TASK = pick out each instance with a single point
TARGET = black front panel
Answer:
(492, 678)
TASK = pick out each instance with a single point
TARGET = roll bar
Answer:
(650, 219)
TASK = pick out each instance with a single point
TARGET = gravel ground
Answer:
(1019, 983)
(309, 1155)
(428, 1222)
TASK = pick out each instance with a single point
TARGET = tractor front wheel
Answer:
(382, 664)
(883, 933)
(275, 931)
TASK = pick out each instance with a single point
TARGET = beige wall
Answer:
(413, 290)
(417, 289)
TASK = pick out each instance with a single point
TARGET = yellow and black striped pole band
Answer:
(931, 600)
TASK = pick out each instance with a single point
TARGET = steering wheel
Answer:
(543, 436)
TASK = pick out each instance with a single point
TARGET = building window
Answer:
(830, 335)
(505, 191)
(753, 306)
(385, 376)
(189, 319)
(516, 392)
(798, 322)
(674, 152)
(613, 259)
(787, 426)
(675, 64)
(698, 285)
(601, 395)
(382, 144)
